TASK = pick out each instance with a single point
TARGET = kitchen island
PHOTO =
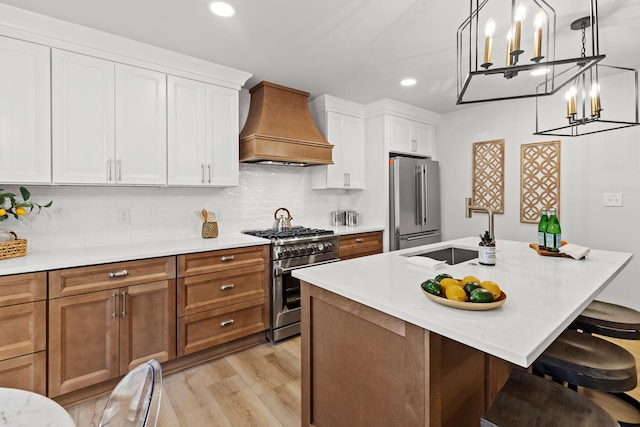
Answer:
(376, 351)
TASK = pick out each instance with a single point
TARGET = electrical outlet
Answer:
(612, 199)
(218, 215)
(124, 216)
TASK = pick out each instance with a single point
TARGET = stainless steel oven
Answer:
(297, 248)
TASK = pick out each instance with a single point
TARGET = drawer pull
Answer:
(227, 258)
(227, 323)
(359, 240)
(121, 273)
(227, 287)
(115, 304)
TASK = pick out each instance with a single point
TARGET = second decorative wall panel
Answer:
(539, 179)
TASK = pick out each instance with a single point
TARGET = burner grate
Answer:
(289, 234)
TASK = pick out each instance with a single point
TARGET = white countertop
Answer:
(544, 294)
(65, 258)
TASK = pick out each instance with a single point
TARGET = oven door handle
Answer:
(279, 271)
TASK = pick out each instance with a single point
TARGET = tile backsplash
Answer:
(89, 216)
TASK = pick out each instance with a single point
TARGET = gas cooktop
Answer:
(295, 232)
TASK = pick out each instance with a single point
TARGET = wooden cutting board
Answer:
(545, 252)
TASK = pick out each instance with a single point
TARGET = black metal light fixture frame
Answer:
(481, 82)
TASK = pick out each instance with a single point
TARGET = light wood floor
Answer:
(256, 387)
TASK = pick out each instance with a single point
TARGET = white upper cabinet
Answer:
(411, 137)
(141, 126)
(83, 119)
(25, 118)
(109, 122)
(203, 134)
(342, 124)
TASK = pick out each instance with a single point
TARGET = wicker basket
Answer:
(209, 230)
(13, 248)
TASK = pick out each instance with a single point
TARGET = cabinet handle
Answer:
(345, 179)
(124, 304)
(209, 167)
(115, 303)
(119, 169)
(227, 258)
(227, 287)
(359, 240)
(227, 323)
(202, 168)
(121, 273)
(109, 170)
(349, 179)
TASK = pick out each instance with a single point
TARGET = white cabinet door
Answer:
(424, 136)
(353, 152)
(203, 134)
(222, 136)
(346, 133)
(25, 123)
(186, 131)
(141, 123)
(83, 119)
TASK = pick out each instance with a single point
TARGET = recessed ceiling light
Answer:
(408, 82)
(223, 9)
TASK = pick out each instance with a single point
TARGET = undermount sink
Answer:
(451, 255)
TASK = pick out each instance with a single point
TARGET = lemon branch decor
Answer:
(11, 205)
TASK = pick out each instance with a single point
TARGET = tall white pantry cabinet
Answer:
(25, 115)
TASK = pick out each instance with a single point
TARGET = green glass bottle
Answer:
(553, 236)
(542, 228)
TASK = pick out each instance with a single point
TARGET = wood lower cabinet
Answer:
(23, 323)
(222, 296)
(361, 244)
(100, 335)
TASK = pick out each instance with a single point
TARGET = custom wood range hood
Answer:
(279, 129)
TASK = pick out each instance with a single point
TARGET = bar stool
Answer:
(610, 320)
(528, 401)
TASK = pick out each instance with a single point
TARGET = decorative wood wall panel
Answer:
(488, 174)
(539, 179)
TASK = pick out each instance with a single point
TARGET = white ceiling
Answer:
(357, 49)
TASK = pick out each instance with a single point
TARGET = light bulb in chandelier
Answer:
(489, 31)
(596, 107)
(570, 97)
(518, 17)
(538, 23)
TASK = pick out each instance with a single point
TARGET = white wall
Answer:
(590, 166)
(87, 216)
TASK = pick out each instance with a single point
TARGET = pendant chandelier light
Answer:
(584, 110)
(528, 67)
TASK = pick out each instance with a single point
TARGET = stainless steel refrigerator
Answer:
(414, 202)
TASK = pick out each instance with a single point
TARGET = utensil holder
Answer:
(209, 230)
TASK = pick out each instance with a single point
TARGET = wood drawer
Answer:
(357, 245)
(20, 288)
(214, 290)
(80, 280)
(211, 262)
(205, 330)
(25, 372)
(24, 329)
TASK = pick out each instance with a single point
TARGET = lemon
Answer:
(469, 279)
(448, 281)
(21, 211)
(2, 212)
(455, 293)
(491, 287)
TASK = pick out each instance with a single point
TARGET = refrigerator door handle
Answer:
(425, 199)
(418, 196)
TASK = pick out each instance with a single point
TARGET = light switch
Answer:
(613, 199)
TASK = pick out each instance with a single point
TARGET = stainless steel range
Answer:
(292, 249)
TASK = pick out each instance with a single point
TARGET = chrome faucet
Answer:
(468, 213)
